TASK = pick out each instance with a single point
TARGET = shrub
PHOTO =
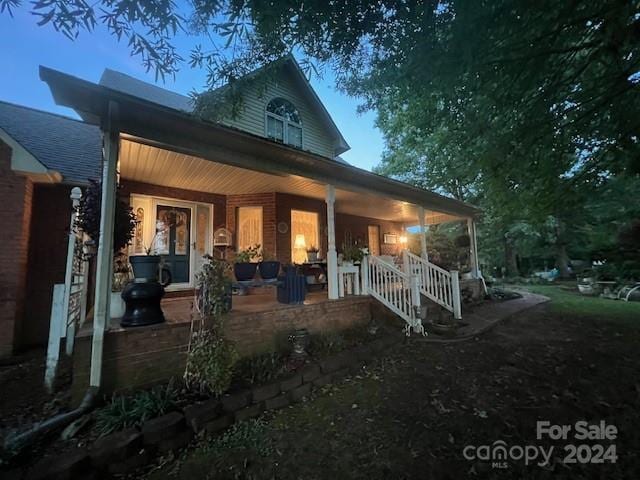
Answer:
(132, 411)
(261, 368)
(210, 362)
(327, 343)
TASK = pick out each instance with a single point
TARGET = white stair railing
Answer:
(435, 283)
(395, 289)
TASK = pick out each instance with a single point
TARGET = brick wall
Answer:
(357, 227)
(47, 258)
(268, 203)
(218, 201)
(139, 357)
(15, 215)
(284, 204)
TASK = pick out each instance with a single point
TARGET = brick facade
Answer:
(47, 258)
(268, 203)
(15, 214)
(139, 357)
(357, 228)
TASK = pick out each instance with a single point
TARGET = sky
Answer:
(24, 46)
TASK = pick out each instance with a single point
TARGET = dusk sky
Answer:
(25, 46)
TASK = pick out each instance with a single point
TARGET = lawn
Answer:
(412, 413)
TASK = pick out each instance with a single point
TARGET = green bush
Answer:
(132, 411)
(210, 362)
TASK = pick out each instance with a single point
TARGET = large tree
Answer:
(525, 107)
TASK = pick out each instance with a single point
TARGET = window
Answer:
(304, 234)
(283, 122)
(249, 227)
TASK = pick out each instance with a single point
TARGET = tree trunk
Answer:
(562, 257)
(510, 258)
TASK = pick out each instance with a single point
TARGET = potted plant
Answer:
(312, 253)
(243, 267)
(352, 254)
(269, 267)
(124, 225)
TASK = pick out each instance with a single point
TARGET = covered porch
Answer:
(163, 157)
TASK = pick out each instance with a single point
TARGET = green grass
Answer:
(569, 302)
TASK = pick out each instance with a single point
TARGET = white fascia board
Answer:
(23, 162)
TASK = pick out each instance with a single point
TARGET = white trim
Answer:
(285, 124)
(152, 203)
(22, 161)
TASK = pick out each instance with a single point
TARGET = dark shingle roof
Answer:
(147, 91)
(71, 147)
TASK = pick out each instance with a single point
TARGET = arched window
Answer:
(283, 122)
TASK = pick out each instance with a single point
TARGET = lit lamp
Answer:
(300, 248)
(403, 239)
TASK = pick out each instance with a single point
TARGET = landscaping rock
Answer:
(297, 394)
(249, 412)
(276, 403)
(341, 374)
(323, 380)
(199, 414)
(219, 424)
(176, 442)
(310, 373)
(231, 403)
(69, 465)
(264, 392)
(162, 428)
(293, 381)
(116, 447)
(131, 464)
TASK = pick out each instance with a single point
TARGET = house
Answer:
(271, 175)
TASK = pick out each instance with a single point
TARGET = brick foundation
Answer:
(139, 357)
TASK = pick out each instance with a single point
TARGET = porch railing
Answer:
(435, 283)
(395, 289)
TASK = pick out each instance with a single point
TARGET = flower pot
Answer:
(269, 270)
(312, 256)
(116, 305)
(145, 267)
(244, 271)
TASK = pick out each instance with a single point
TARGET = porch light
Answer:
(403, 239)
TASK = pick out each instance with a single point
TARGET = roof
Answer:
(152, 93)
(184, 133)
(62, 144)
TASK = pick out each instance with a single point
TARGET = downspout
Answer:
(111, 139)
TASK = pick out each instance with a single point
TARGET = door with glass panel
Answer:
(173, 227)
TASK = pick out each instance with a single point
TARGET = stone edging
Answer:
(125, 451)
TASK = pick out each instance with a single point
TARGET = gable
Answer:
(319, 134)
(316, 137)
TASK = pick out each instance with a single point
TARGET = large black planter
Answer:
(143, 304)
(269, 270)
(145, 266)
(244, 271)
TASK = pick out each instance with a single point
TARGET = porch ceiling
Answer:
(150, 164)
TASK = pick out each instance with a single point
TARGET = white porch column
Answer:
(473, 248)
(332, 255)
(104, 258)
(423, 239)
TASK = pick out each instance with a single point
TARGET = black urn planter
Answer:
(145, 266)
(244, 271)
(269, 269)
(142, 301)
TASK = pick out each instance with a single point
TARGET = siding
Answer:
(316, 137)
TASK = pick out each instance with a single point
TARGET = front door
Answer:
(374, 240)
(173, 225)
